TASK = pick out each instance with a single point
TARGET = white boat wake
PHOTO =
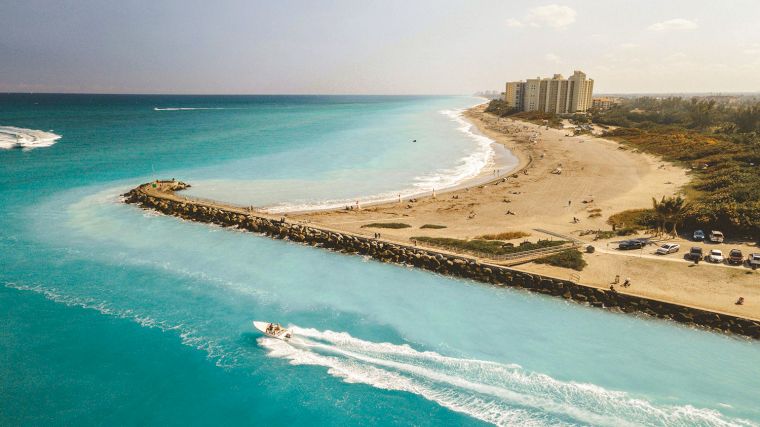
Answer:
(26, 139)
(500, 394)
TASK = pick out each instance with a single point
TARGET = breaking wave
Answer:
(215, 347)
(501, 394)
(468, 168)
(26, 139)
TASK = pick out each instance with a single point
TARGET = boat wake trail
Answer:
(500, 394)
(27, 139)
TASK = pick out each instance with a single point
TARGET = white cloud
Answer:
(551, 15)
(553, 58)
(673, 24)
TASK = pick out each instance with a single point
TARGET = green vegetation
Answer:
(507, 235)
(671, 210)
(633, 219)
(433, 226)
(608, 234)
(490, 247)
(571, 258)
(500, 108)
(386, 225)
(718, 141)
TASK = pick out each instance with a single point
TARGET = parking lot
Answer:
(650, 250)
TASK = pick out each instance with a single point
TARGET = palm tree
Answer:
(669, 210)
(677, 208)
(659, 214)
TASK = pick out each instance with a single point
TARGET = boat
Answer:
(273, 330)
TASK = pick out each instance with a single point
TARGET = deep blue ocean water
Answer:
(112, 315)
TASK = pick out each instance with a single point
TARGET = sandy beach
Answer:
(597, 174)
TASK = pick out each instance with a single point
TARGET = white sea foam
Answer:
(219, 352)
(467, 168)
(27, 139)
(501, 394)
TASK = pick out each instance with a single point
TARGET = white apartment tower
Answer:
(551, 95)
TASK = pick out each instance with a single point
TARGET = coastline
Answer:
(476, 166)
(598, 175)
(160, 196)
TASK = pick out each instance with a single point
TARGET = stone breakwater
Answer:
(159, 197)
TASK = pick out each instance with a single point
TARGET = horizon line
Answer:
(755, 92)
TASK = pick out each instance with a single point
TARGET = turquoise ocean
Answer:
(111, 315)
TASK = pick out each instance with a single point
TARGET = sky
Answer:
(375, 47)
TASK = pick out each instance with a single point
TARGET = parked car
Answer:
(668, 248)
(735, 257)
(716, 236)
(753, 260)
(695, 254)
(699, 235)
(631, 244)
(715, 256)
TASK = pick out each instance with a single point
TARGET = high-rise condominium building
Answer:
(551, 95)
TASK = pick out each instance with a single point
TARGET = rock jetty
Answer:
(159, 196)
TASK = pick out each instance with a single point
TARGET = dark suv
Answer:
(631, 244)
(735, 257)
(695, 254)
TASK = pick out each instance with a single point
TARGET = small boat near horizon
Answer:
(274, 330)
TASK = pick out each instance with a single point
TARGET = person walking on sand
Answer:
(627, 282)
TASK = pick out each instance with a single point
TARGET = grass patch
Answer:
(608, 234)
(386, 225)
(595, 210)
(571, 258)
(634, 218)
(490, 247)
(507, 235)
(433, 226)
(595, 215)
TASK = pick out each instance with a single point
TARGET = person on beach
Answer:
(740, 301)
(627, 282)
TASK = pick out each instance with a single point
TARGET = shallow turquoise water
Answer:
(110, 314)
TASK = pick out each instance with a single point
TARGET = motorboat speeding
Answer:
(274, 330)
